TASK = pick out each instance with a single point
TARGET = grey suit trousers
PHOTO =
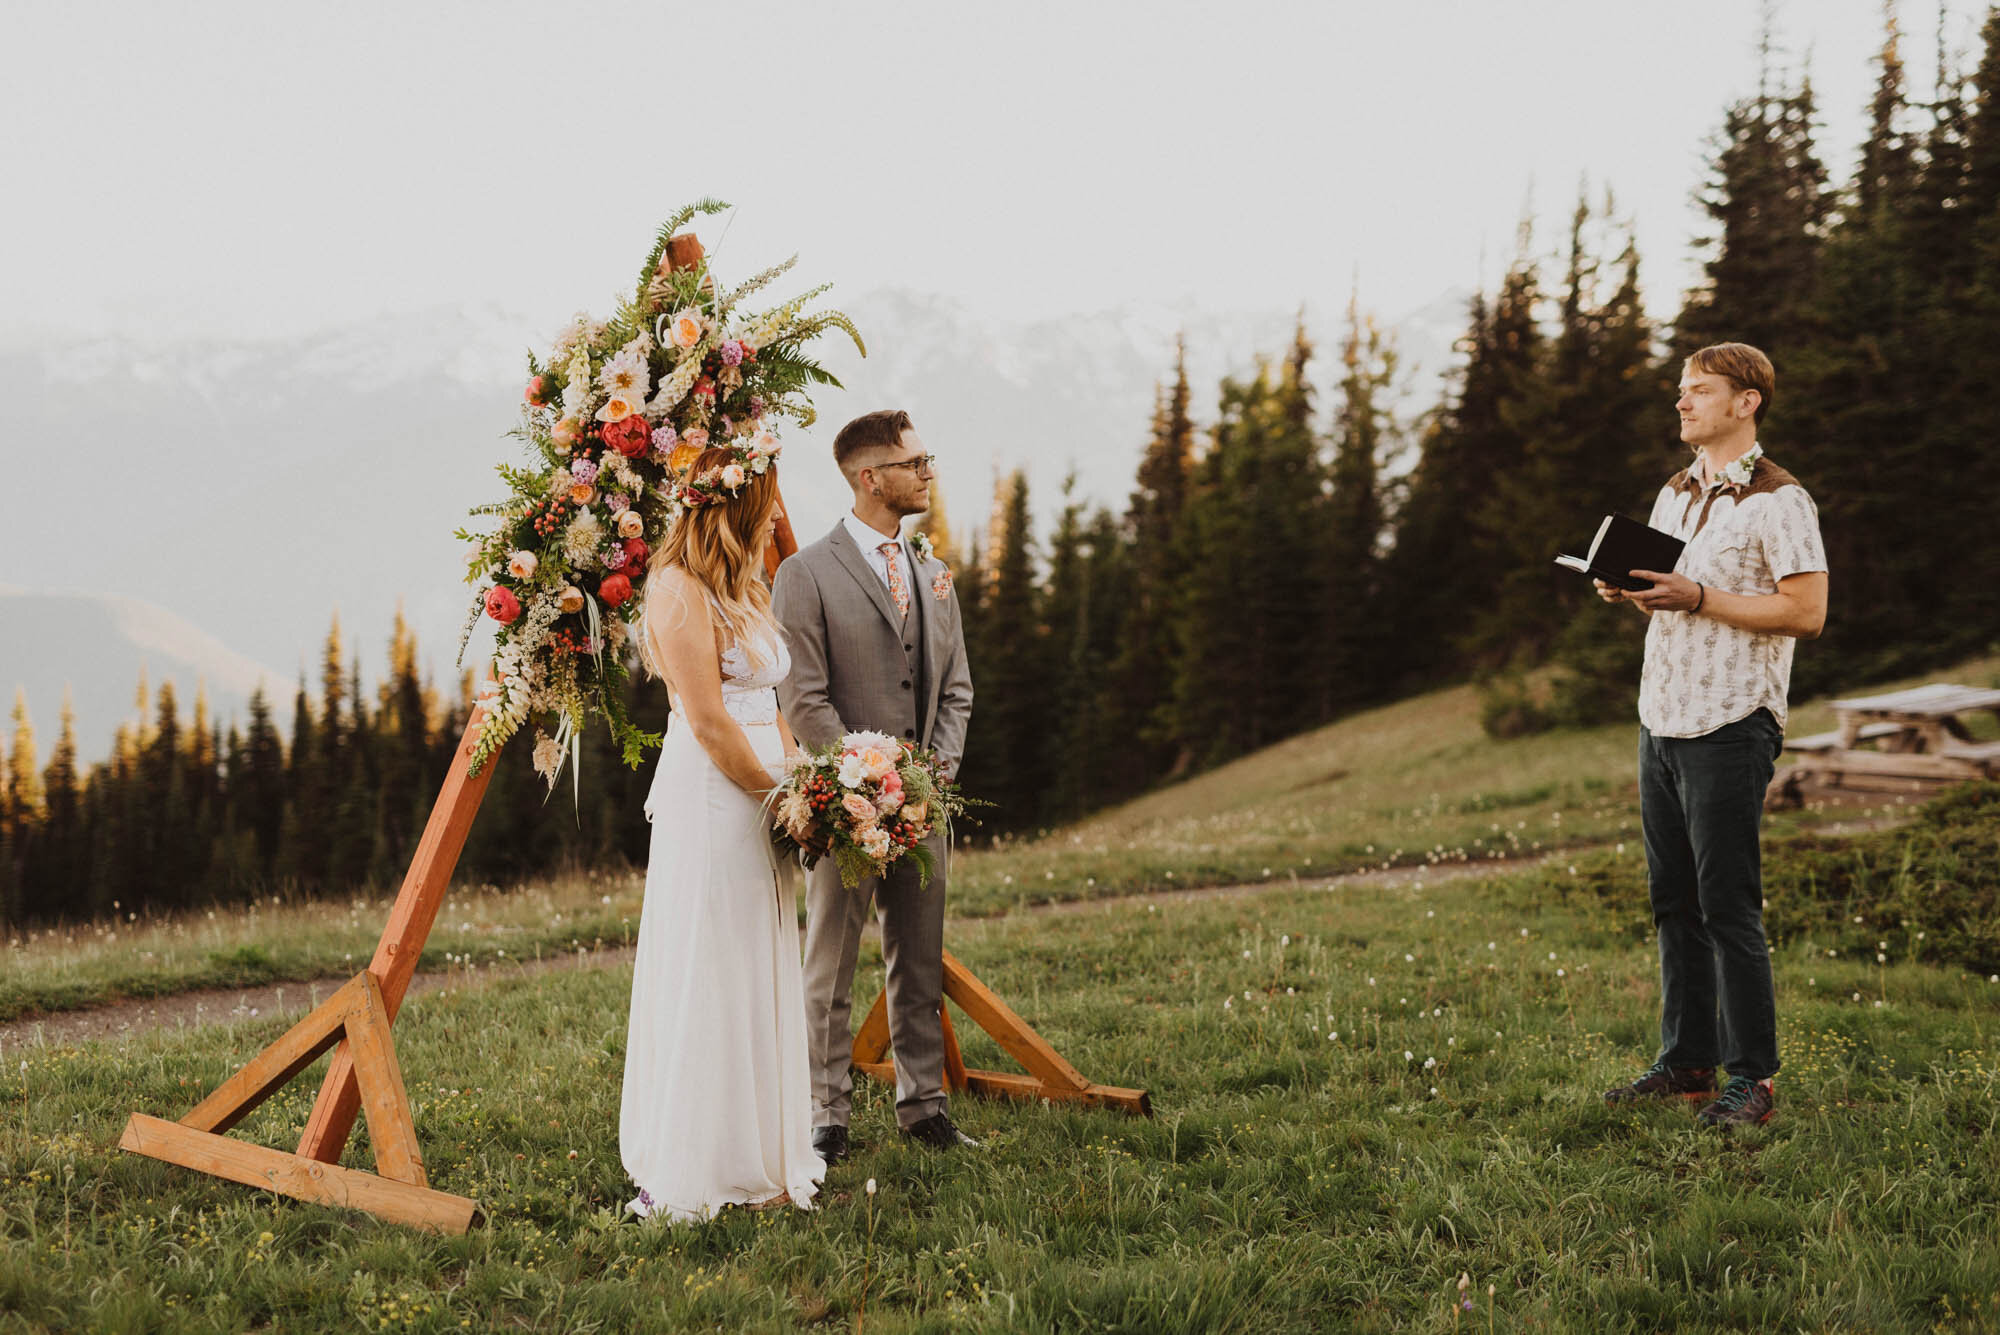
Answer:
(912, 948)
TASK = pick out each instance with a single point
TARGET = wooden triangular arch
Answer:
(1048, 1075)
(357, 1017)
(363, 1076)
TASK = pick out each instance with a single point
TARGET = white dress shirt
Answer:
(870, 539)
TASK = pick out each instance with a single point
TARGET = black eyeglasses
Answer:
(923, 463)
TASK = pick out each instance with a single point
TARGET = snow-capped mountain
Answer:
(255, 488)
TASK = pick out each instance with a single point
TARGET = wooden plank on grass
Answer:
(301, 1179)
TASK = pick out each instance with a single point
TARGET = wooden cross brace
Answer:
(1048, 1075)
(357, 1017)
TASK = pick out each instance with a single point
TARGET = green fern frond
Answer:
(813, 326)
(790, 369)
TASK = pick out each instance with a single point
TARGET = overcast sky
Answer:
(263, 167)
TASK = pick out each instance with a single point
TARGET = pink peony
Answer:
(695, 438)
(502, 605)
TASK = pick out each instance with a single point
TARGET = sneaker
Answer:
(1662, 1081)
(1743, 1103)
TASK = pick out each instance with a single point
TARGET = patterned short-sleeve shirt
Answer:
(1749, 527)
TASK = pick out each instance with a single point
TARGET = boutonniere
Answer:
(941, 586)
(920, 543)
(1737, 472)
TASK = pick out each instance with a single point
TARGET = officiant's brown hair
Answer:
(1743, 366)
(882, 429)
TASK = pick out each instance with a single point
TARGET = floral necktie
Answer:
(898, 588)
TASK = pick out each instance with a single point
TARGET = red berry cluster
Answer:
(547, 515)
(819, 790)
(567, 641)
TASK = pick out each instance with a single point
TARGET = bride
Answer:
(717, 1105)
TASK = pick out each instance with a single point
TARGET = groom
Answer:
(876, 644)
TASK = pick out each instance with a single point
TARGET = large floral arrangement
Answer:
(868, 800)
(613, 418)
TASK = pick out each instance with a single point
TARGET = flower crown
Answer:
(719, 484)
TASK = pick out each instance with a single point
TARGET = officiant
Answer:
(1750, 583)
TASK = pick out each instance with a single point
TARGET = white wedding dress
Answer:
(717, 1105)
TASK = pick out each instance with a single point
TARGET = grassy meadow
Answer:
(1360, 1096)
(1412, 783)
(1361, 1092)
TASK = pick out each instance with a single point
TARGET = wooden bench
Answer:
(1828, 741)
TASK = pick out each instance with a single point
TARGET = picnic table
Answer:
(1910, 742)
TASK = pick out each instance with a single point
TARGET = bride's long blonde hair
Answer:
(722, 547)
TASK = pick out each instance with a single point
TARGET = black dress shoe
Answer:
(830, 1143)
(938, 1132)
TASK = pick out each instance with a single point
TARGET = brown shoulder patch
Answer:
(1767, 476)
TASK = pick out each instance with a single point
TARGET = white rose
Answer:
(521, 565)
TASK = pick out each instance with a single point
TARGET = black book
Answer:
(1624, 545)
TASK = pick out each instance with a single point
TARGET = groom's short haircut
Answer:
(882, 430)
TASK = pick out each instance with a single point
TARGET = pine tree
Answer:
(1767, 198)
(1002, 752)
(1449, 541)
(1139, 681)
(1856, 405)
(934, 525)
(1219, 647)
(260, 796)
(25, 801)
(302, 842)
(54, 880)
(1355, 634)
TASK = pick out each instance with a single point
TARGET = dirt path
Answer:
(124, 1019)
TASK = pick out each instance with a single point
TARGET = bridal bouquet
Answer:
(868, 800)
(613, 418)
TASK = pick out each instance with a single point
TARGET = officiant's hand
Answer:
(1670, 593)
(1610, 593)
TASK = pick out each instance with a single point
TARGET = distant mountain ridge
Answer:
(108, 641)
(251, 489)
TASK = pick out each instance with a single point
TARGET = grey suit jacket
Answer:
(850, 663)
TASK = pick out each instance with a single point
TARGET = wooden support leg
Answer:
(954, 1060)
(357, 1015)
(1049, 1075)
(402, 944)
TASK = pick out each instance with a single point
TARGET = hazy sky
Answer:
(278, 167)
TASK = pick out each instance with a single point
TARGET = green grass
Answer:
(1307, 1169)
(1408, 784)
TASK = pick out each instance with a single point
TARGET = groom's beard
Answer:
(915, 505)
